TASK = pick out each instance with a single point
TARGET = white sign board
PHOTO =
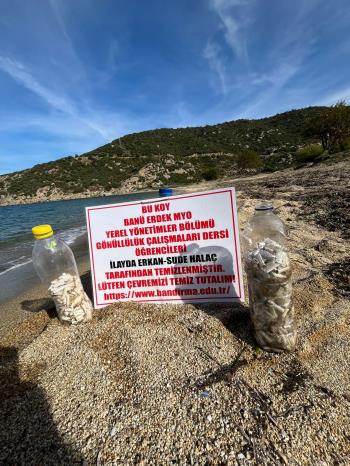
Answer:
(183, 248)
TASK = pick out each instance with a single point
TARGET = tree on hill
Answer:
(249, 159)
(332, 126)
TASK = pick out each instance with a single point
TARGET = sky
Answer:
(76, 74)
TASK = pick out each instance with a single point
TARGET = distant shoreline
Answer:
(202, 185)
(66, 197)
(94, 194)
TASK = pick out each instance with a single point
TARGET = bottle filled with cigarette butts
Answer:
(55, 264)
(269, 280)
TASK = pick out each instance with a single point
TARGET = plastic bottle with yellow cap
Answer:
(55, 264)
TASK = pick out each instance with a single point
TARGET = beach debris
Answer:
(72, 303)
(99, 458)
(114, 431)
(270, 294)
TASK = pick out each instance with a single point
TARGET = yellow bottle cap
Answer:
(42, 231)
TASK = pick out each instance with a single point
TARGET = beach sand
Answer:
(184, 384)
(34, 300)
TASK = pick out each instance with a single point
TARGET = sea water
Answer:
(67, 219)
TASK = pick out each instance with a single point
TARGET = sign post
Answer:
(183, 248)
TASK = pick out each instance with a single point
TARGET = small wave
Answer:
(15, 261)
(69, 236)
(15, 266)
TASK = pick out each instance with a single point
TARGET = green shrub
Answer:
(345, 145)
(249, 159)
(309, 153)
(210, 174)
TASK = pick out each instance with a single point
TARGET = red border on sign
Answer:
(153, 202)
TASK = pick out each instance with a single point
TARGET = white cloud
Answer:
(54, 99)
(264, 86)
(20, 74)
(268, 97)
(233, 24)
(68, 44)
(233, 19)
(211, 53)
(69, 125)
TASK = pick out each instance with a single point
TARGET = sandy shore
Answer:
(34, 300)
(172, 384)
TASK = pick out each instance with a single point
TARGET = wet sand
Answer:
(34, 300)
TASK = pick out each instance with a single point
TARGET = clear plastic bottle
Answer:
(55, 264)
(269, 280)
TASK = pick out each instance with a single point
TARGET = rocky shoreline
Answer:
(150, 177)
(56, 196)
(147, 180)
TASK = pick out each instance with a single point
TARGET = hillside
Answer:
(164, 156)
